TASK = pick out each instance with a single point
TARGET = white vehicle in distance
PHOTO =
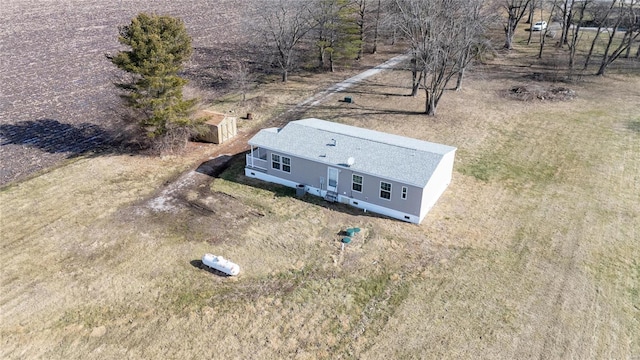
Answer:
(539, 26)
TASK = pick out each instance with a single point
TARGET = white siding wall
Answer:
(437, 184)
(308, 173)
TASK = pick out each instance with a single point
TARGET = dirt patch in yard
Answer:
(532, 92)
(202, 212)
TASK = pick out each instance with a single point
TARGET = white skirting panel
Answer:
(269, 178)
(341, 198)
(383, 210)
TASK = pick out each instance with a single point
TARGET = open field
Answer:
(532, 252)
(58, 99)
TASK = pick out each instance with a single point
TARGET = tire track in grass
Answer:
(575, 212)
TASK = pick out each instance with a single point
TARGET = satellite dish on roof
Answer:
(351, 161)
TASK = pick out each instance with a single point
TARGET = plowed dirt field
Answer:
(57, 99)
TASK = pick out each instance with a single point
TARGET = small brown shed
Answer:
(220, 127)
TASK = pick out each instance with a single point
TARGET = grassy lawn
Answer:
(532, 252)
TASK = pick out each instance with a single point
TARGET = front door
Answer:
(332, 179)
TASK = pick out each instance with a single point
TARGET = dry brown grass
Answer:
(531, 252)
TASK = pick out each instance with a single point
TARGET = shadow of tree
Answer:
(52, 136)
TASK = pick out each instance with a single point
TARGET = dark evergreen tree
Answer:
(159, 46)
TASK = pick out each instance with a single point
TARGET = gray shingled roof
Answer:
(388, 156)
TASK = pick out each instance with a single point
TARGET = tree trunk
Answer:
(285, 75)
(532, 11)
(573, 44)
(508, 37)
(331, 62)
(416, 85)
(605, 16)
(321, 55)
(430, 109)
(464, 62)
(542, 41)
(362, 11)
(603, 67)
(361, 45)
(507, 44)
(566, 21)
(375, 32)
(415, 82)
(627, 54)
(605, 56)
(593, 44)
(459, 81)
(530, 20)
(608, 59)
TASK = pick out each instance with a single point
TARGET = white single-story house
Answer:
(384, 173)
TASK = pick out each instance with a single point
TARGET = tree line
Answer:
(444, 37)
(617, 22)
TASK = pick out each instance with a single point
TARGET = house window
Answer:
(286, 164)
(281, 163)
(385, 190)
(356, 184)
(404, 193)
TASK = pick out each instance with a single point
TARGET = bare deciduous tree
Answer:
(565, 9)
(374, 49)
(516, 9)
(411, 19)
(575, 34)
(242, 79)
(442, 35)
(472, 40)
(600, 14)
(284, 24)
(532, 9)
(545, 31)
(627, 19)
(612, 18)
